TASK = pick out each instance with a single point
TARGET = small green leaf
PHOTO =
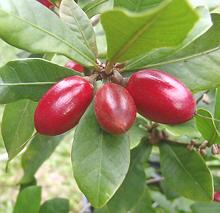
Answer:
(28, 200)
(29, 78)
(206, 207)
(133, 186)
(144, 204)
(186, 172)
(55, 205)
(79, 23)
(131, 35)
(17, 125)
(137, 5)
(38, 151)
(206, 125)
(136, 133)
(100, 160)
(28, 25)
(185, 129)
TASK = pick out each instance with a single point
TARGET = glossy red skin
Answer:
(61, 108)
(160, 97)
(217, 196)
(114, 108)
(75, 66)
(46, 3)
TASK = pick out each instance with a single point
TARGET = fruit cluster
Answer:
(154, 94)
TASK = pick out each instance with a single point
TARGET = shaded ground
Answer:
(55, 177)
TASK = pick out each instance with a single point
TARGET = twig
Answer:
(154, 180)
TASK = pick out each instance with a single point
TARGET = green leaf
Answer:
(186, 172)
(79, 23)
(136, 133)
(206, 207)
(10, 52)
(29, 78)
(137, 5)
(192, 64)
(28, 200)
(100, 160)
(17, 125)
(29, 25)
(185, 129)
(95, 7)
(55, 205)
(38, 151)
(131, 35)
(206, 125)
(217, 109)
(133, 186)
(144, 204)
(163, 55)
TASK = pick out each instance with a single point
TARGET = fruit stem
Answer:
(109, 67)
(118, 78)
(91, 78)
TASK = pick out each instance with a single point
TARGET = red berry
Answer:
(46, 3)
(217, 196)
(61, 108)
(74, 66)
(160, 97)
(114, 108)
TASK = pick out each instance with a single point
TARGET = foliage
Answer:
(152, 167)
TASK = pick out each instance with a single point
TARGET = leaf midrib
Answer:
(139, 32)
(79, 26)
(49, 33)
(184, 58)
(188, 174)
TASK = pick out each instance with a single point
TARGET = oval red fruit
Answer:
(61, 108)
(74, 66)
(114, 108)
(160, 97)
(46, 3)
(217, 196)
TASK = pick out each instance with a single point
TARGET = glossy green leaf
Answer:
(129, 35)
(95, 7)
(28, 200)
(137, 5)
(186, 172)
(136, 133)
(17, 125)
(162, 55)
(79, 23)
(133, 186)
(206, 207)
(206, 125)
(185, 129)
(100, 160)
(38, 151)
(29, 25)
(144, 204)
(29, 78)
(55, 205)
(197, 65)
